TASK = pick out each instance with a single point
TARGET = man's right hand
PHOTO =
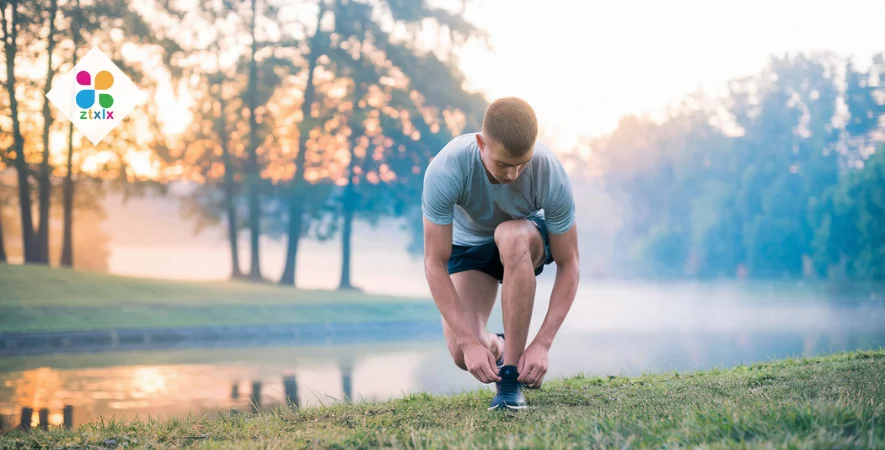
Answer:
(480, 362)
(437, 249)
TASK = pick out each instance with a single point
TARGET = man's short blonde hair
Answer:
(512, 123)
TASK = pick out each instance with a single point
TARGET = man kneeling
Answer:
(498, 207)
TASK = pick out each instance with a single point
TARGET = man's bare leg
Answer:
(521, 249)
(477, 292)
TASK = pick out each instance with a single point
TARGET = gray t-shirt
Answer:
(457, 189)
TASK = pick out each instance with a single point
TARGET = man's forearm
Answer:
(446, 298)
(565, 286)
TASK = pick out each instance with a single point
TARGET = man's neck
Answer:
(488, 174)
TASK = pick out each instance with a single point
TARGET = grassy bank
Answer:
(834, 401)
(40, 298)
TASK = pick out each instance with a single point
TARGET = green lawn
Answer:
(40, 298)
(829, 402)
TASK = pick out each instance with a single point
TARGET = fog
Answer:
(142, 245)
(149, 238)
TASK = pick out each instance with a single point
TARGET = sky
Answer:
(583, 64)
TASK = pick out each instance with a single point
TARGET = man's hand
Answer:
(533, 365)
(480, 362)
(437, 249)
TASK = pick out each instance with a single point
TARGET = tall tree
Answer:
(67, 246)
(787, 158)
(268, 42)
(256, 57)
(209, 140)
(227, 160)
(214, 146)
(252, 171)
(45, 183)
(841, 249)
(297, 197)
(359, 31)
(98, 23)
(12, 29)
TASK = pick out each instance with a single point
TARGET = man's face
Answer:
(499, 163)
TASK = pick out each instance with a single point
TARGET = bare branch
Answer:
(5, 31)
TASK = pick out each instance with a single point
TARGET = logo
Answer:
(95, 95)
(86, 97)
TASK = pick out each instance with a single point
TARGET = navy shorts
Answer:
(486, 258)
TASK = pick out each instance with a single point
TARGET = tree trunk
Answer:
(350, 199)
(296, 221)
(10, 35)
(296, 202)
(67, 244)
(45, 184)
(252, 172)
(229, 191)
(232, 236)
(347, 213)
(2, 248)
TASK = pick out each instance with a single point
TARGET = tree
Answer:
(266, 34)
(214, 147)
(67, 246)
(12, 33)
(398, 98)
(297, 197)
(786, 159)
(45, 184)
(847, 231)
(217, 94)
(748, 185)
(98, 22)
(227, 160)
(252, 170)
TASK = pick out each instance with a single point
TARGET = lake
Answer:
(613, 329)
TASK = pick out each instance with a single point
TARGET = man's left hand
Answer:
(532, 366)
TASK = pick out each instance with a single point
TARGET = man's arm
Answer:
(437, 249)
(558, 202)
(564, 248)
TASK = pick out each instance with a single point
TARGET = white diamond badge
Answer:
(95, 95)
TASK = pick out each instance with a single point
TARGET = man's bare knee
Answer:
(514, 242)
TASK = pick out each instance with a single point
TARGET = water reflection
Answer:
(122, 386)
(206, 382)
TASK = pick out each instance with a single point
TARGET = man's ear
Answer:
(480, 142)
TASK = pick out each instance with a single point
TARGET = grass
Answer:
(835, 401)
(47, 299)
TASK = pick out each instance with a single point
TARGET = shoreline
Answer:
(159, 338)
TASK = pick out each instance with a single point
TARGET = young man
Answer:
(497, 208)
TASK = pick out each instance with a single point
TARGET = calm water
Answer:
(614, 329)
